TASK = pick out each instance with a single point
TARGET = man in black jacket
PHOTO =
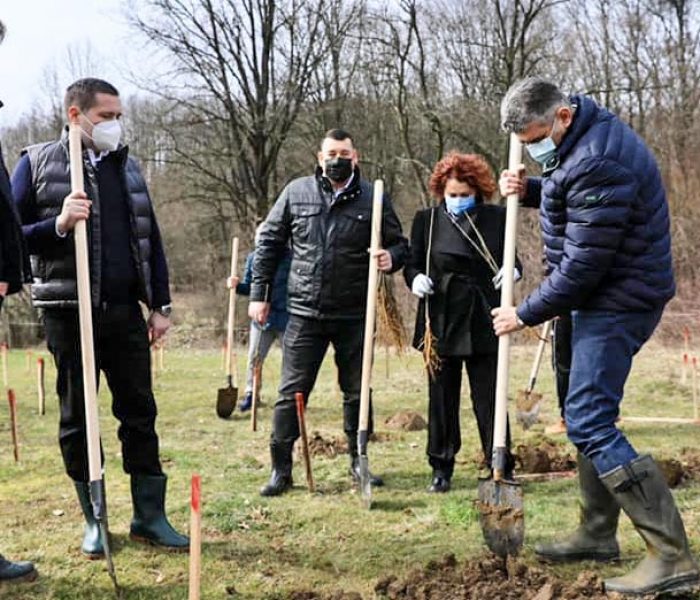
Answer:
(14, 271)
(127, 265)
(327, 218)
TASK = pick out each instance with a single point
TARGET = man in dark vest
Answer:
(327, 219)
(127, 265)
(14, 271)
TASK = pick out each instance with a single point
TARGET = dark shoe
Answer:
(16, 572)
(281, 477)
(595, 537)
(246, 403)
(439, 485)
(92, 546)
(150, 525)
(354, 470)
(641, 490)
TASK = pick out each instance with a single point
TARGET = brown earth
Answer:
(544, 457)
(407, 421)
(329, 447)
(488, 579)
(686, 467)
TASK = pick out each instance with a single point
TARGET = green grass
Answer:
(264, 548)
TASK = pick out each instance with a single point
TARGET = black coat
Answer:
(14, 262)
(329, 239)
(464, 294)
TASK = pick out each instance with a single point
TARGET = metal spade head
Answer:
(528, 408)
(226, 400)
(501, 516)
(104, 534)
(365, 481)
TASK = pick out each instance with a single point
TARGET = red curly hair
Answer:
(467, 168)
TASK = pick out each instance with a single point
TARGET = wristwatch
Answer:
(164, 310)
(519, 321)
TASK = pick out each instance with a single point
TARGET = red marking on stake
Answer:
(686, 333)
(196, 492)
(685, 358)
(695, 361)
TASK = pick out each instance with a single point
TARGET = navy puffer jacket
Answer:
(605, 222)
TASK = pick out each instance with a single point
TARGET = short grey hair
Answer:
(530, 100)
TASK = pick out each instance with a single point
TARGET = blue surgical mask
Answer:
(545, 150)
(459, 204)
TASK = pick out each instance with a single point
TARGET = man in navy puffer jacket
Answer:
(605, 224)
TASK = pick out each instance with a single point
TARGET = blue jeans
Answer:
(603, 345)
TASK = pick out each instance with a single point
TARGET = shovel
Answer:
(227, 397)
(301, 416)
(368, 343)
(527, 402)
(92, 423)
(501, 501)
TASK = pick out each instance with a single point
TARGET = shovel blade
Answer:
(527, 408)
(501, 516)
(226, 401)
(104, 534)
(365, 482)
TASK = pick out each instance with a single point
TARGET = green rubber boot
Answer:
(595, 537)
(150, 525)
(16, 572)
(92, 546)
(642, 492)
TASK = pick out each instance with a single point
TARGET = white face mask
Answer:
(106, 135)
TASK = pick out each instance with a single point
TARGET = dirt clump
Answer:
(329, 447)
(407, 421)
(543, 457)
(338, 595)
(488, 579)
(684, 468)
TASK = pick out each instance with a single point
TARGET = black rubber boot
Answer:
(281, 476)
(16, 572)
(641, 490)
(150, 525)
(92, 546)
(595, 537)
(354, 470)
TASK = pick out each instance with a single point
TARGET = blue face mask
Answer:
(545, 150)
(458, 204)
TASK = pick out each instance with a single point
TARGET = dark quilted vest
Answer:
(54, 271)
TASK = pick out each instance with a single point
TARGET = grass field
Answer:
(267, 548)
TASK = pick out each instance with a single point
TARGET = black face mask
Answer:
(338, 169)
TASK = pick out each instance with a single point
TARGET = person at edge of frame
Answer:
(261, 337)
(327, 218)
(605, 223)
(127, 265)
(14, 272)
(460, 241)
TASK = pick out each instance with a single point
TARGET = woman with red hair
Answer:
(455, 270)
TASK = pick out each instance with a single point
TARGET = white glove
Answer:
(498, 278)
(422, 285)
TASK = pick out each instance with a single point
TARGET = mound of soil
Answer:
(545, 457)
(406, 421)
(332, 447)
(488, 579)
(682, 469)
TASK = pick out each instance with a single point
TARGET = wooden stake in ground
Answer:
(13, 422)
(301, 410)
(28, 361)
(5, 374)
(92, 423)
(684, 369)
(40, 385)
(195, 538)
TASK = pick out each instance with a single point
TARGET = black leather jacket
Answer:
(329, 239)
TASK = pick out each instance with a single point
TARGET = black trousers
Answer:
(303, 348)
(444, 434)
(122, 352)
(561, 357)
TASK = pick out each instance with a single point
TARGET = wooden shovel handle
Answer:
(542, 344)
(371, 312)
(502, 371)
(231, 326)
(299, 398)
(85, 311)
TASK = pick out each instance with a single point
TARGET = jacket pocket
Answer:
(304, 217)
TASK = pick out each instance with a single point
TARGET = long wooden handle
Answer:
(195, 539)
(299, 398)
(544, 337)
(371, 312)
(13, 422)
(92, 423)
(502, 372)
(41, 388)
(5, 372)
(231, 310)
